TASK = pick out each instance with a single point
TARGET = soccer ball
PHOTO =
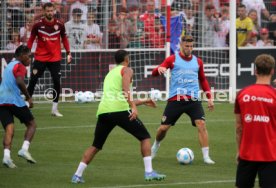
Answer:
(155, 94)
(80, 97)
(185, 156)
(89, 96)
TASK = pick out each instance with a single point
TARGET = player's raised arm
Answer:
(167, 64)
(148, 102)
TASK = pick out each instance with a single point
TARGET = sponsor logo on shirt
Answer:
(256, 118)
(248, 98)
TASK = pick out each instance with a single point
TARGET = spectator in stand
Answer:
(14, 42)
(149, 20)
(123, 25)
(222, 36)
(113, 35)
(15, 10)
(158, 35)
(80, 4)
(253, 40)
(76, 30)
(189, 19)
(264, 38)
(94, 35)
(252, 14)
(272, 28)
(244, 26)
(210, 26)
(25, 31)
(137, 34)
(259, 6)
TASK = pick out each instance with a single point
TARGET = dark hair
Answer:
(241, 6)
(264, 64)
(120, 56)
(49, 4)
(21, 50)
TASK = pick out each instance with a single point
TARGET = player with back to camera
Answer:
(117, 107)
(48, 32)
(255, 110)
(12, 104)
(186, 74)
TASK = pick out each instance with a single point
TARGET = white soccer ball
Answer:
(89, 96)
(80, 97)
(155, 94)
(185, 156)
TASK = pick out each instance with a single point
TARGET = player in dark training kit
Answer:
(48, 32)
(12, 104)
(255, 110)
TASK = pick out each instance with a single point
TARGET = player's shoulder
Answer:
(60, 22)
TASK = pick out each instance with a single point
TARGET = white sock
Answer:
(26, 145)
(148, 164)
(7, 153)
(205, 152)
(55, 106)
(81, 168)
(156, 143)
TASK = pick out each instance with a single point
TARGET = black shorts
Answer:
(22, 113)
(106, 122)
(175, 109)
(248, 170)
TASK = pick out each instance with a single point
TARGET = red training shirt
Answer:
(257, 106)
(48, 40)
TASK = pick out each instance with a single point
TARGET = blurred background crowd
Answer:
(113, 24)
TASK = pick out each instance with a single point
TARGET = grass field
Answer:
(59, 144)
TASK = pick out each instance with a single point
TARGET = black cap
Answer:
(77, 11)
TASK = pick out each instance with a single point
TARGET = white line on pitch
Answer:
(87, 126)
(172, 184)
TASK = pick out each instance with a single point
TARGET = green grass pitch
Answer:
(60, 142)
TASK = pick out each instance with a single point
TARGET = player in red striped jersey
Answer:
(255, 110)
(48, 32)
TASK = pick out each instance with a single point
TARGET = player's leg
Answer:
(104, 126)
(196, 113)
(138, 130)
(6, 118)
(25, 116)
(38, 69)
(172, 112)
(266, 174)
(246, 174)
(54, 68)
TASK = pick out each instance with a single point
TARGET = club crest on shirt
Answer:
(34, 71)
(56, 27)
(164, 119)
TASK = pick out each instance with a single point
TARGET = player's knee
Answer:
(200, 124)
(164, 128)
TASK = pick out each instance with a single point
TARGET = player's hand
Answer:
(134, 113)
(30, 101)
(69, 58)
(150, 103)
(211, 105)
(162, 70)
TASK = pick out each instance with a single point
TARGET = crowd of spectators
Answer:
(91, 24)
